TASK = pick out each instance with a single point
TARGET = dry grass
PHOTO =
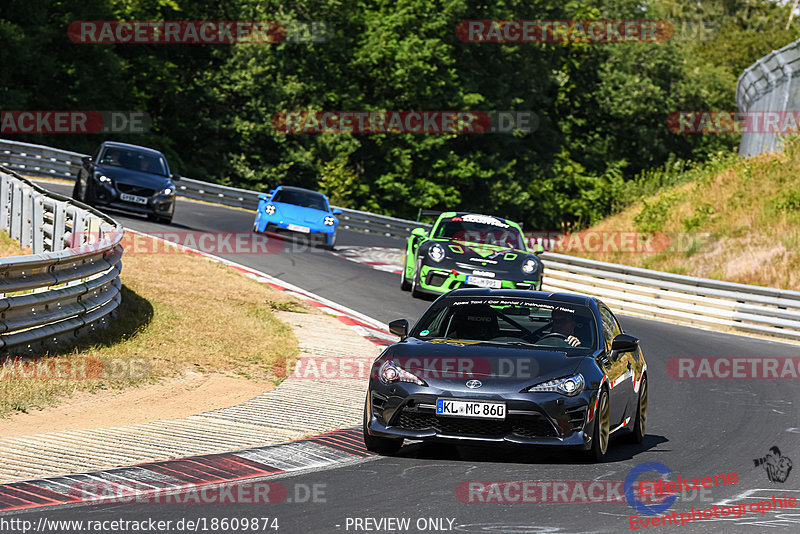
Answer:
(10, 247)
(741, 224)
(179, 313)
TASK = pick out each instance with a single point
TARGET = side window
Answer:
(610, 326)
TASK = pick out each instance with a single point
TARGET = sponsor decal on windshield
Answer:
(483, 219)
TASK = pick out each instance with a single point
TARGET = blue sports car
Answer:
(299, 211)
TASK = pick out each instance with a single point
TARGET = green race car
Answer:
(469, 250)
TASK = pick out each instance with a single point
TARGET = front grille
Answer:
(535, 426)
(435, 278)
(135, 190)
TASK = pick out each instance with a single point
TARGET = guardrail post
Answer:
(38, 224)
(59, 223)
(16, 211)
(5, 202)
(26, 223)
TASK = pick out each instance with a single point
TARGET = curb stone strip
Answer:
(47, 455)
(365, 256)
(320, 451)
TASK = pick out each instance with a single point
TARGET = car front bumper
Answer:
(546, 419)
(438, 280)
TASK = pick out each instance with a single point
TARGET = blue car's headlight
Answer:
(436, 253)
(270, 209)
(569, 386)
(103, 179)
(329, 221)
(168, 191)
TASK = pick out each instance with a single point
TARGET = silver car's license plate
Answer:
(468, 408)
(133, 198)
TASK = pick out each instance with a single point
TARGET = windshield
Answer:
(480, 229)
(301, 198)
(516, 321)
(134, 160)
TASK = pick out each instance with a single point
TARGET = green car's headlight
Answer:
(529, 266)
(436, 253)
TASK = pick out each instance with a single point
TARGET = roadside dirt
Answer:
(178, 397)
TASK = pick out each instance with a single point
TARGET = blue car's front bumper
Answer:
(265, 222)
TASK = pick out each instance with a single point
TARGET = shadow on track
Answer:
(618, 451)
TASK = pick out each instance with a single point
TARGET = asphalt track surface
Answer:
(696, 428)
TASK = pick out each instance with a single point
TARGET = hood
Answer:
(300, 213)
(447, 364)
(129, 176)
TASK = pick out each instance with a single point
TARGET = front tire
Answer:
(641, 414)
(377, 444)
(602, 429)
(405, 285)
(415, 290)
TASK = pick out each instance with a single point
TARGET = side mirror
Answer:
(270, 192)
(262, 196)
(538, 249)
(399, 327)
(176, 177)
(418, 232)
(624, 343)
(86, 160)
(336, 211)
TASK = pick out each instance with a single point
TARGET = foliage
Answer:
(600, 144)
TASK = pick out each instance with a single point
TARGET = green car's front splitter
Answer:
(433, 280)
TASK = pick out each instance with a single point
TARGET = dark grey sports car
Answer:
(127, 177)
(508, 366)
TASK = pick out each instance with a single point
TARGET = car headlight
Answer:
(436, 253)
(390, 373)
(329, 221)
(168, 191)
(270, 209)
(103, 179)
(569, 386)
(529, 266)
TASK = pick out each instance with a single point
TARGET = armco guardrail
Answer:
(685, 299)
(70, 284)
(665, 296)
(770, 84)
(47, 162)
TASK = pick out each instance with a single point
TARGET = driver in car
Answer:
(564, 323)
